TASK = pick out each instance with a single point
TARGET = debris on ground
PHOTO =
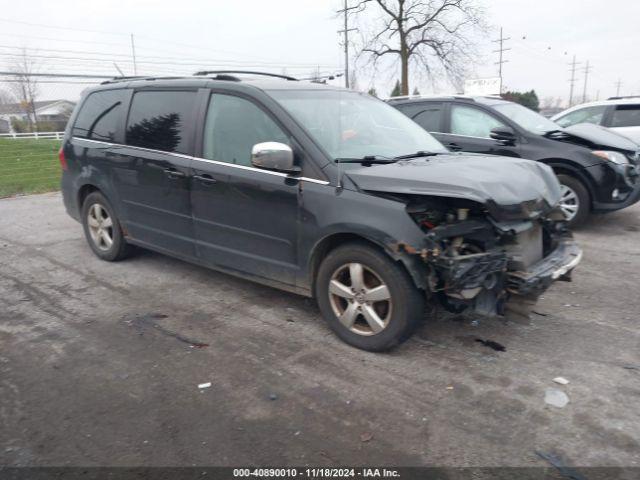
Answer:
(449, 387)
(204, 385)
(366, 437)
(540, 313)
(273, 396)
(557, 462)
(143, 322)
(556, 398)
(491, 344)
(561, 380)
(631, 367)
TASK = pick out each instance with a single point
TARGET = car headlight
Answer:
(615, 157)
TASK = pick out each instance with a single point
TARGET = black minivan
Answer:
(597, 168)
(313, 189)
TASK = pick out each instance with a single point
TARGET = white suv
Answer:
(621, 114)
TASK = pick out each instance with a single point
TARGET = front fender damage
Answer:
(481, 264)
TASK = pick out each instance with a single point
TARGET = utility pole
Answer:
(572, 81)
(133, 53)
(346, 31)
(586, 75)
(618, 85)
(500, 51)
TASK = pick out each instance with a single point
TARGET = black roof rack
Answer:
(229, 74)
(137, 77)
(623, 97)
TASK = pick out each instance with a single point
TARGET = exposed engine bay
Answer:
(478, 258)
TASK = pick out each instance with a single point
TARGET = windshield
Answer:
(354, 125)
(527, 119)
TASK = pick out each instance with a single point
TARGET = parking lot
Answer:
(100, 365)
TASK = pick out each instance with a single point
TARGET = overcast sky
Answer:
(298, 36)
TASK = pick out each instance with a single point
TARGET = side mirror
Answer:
(273, 156)
(504, 135)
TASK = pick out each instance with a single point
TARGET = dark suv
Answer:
(597, 168)
(313, 189)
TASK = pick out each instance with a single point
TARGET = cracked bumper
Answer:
(555, 266)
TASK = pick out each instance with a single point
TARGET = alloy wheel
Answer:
(100, 227)
(360, 299)
(569, 202)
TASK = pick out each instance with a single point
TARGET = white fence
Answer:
(51, 135)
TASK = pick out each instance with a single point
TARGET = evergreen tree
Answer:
(397, 90)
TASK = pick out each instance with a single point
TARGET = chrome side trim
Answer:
(215, 162)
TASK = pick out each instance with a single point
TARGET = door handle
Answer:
(173, 173)
(205, 179)
(454, 146)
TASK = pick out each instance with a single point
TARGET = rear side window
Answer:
(583, 115)
(626, 116)
(100, 116)
(427, 115)
(158, 120)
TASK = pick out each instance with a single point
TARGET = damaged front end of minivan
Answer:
(475, 260)
(485, 246)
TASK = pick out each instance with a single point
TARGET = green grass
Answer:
(28, 166)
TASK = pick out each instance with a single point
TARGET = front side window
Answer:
(626, 116)
(233, 126)
(100, 116)
(354, 125)
(583, 115)
(472, 122)
(158, 120)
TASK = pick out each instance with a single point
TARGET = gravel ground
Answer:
(100, 365)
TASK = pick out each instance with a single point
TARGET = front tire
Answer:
(574, 201)
(368, 300)
(102, 229)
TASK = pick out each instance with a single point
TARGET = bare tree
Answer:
(26, 88)
(432, 34)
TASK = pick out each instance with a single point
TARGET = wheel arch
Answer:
(566, 167)
(84, 191)
(324, 246)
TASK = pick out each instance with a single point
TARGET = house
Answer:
(53, 114)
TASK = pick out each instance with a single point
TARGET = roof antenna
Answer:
(118, 68)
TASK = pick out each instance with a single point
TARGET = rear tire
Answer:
(575, 199)
(102, 229)
(369, 300)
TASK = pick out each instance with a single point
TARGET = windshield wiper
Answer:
(418, 154)
(367, 159)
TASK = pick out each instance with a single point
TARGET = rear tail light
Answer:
(63, 161)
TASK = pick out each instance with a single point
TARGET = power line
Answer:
(346, 31)
(40, 25)
(586, 76)
(501, 51)
(572, 81)
(127, 56)
(103, 32)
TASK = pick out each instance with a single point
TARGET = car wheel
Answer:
(574, 200)
(102, 229)
(368, 300)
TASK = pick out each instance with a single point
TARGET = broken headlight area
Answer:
(475, 261)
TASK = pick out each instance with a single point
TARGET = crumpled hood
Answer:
(503, 181)
(601, 137)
